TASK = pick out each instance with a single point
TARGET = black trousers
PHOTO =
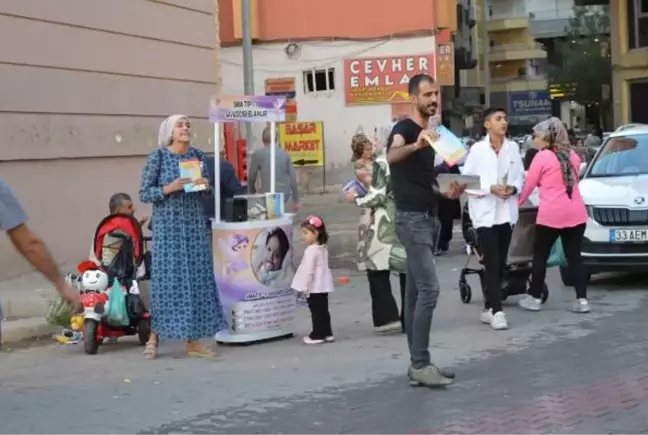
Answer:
(383, 305)
(494, 243)
(572, 242)
(320, 316)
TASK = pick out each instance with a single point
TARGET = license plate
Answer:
(629, 236)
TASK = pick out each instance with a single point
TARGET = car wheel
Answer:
(566, 277)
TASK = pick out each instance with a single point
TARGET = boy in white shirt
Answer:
(493, 209)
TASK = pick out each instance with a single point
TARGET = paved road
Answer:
(554, 371)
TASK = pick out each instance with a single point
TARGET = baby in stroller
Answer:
(518, 269)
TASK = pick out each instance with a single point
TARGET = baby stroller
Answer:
(517, 274)
(120, 249)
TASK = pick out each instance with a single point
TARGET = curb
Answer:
(14, 331)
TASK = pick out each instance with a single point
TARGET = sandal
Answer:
(150, 352)
(195, 349)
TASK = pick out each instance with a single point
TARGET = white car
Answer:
(614, 187)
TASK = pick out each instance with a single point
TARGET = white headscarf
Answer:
(166, 130)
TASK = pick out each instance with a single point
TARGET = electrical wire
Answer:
(327, 61)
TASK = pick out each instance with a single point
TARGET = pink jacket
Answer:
(556, 209)
(313, 274)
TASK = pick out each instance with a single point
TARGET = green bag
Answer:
(59, 313)
(116, 311)
(557, 255)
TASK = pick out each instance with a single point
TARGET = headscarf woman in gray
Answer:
(185, 303)
(561, 213)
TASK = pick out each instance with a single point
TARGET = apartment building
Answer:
(629, 40)
(87, 84)
(346, 64)
(517, 64)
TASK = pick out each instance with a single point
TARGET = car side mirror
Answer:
(583, 168)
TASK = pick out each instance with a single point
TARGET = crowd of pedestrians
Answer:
(404, 224)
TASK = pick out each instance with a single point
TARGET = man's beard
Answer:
(428, 111)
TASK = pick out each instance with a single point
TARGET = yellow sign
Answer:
(304, 141)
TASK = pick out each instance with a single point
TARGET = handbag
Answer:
(116, 311)
(557, 255)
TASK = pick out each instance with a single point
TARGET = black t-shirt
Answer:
(413, 178)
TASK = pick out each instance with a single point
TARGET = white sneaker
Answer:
(499, 321)
(308, 340)
(530, 303)
(581, 306)
(486, 316)
(330, 339)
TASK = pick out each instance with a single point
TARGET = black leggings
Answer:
(572, 242)
(320, 316)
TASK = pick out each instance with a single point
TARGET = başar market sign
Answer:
(303, 141)
(380, 80)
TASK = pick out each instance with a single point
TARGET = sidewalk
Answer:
(25, 299)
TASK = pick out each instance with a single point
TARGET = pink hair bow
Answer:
(314, 221)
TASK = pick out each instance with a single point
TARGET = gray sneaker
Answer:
(390, 328)
(428, 376)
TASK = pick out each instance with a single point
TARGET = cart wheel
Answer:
(90, 339)
(465, 292)
(545, 293)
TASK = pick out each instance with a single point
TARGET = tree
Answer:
(584, 70)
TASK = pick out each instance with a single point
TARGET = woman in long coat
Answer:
(379, 251)
(185, 304)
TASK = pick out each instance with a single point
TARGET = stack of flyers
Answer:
(192, 169)
(448, 146)
(356, 187)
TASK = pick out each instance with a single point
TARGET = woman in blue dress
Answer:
(184, 300)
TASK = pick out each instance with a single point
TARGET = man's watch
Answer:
(514, 190)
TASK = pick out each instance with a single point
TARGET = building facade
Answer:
(348, 63)
(88, 84)
(629, 44)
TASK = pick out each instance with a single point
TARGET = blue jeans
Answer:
(418, 232)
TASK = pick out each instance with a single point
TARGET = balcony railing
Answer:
(509, 15)
(517, 78)
(511, 47)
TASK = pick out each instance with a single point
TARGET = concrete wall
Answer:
(86, 84)
(340, 121)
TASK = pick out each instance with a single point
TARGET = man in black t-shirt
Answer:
(412, 160)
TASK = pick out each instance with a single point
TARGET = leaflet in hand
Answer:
(448, 146)
(356, 187)
(192, 169)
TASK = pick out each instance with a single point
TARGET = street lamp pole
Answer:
(248, 68)
(483, 27)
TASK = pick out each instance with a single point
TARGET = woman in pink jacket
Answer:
(561, 213)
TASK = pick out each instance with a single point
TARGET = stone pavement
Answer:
(553, 371)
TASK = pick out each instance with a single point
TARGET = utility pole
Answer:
(248, 68)
(217, 59)
(483, 28)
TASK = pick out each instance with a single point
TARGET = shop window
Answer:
(319, 80)
(637, 23)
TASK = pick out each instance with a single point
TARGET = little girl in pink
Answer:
(314, 279)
